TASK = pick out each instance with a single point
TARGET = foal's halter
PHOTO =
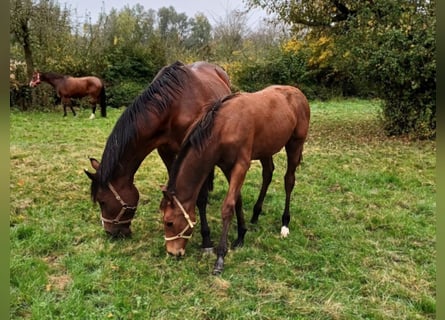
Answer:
(190, 223)
(124, 208)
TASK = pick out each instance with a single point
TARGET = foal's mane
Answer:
(157, 98)
(197, 137)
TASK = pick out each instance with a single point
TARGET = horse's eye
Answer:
(169, 224)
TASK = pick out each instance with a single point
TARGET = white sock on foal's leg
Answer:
(284, 231)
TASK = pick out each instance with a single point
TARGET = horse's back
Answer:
(265, 119)
(83, 86)
(272, 104)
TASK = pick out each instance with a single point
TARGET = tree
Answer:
(387, 44)
(20, 12)
(229, 33)
(200, 32)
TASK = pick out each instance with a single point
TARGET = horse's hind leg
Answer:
(93, 111)
(294, 150)
(268, 168)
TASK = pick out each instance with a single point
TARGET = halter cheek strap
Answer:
(124, 208)
(190, 223)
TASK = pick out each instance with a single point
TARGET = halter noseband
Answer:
(190, 223)
(35, 82)
(124, 208)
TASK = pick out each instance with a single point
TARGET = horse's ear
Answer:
(94, 163)
(167, 194)
(89, 174)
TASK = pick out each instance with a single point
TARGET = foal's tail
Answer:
(103, 102)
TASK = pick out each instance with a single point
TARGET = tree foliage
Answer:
(383, 48)
(384, 45)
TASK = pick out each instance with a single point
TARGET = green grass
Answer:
(362, 241)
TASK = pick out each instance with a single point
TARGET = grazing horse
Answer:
(68, 87)
(235, 130)
(157, 119)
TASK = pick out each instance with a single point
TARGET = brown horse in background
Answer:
(234, 131)
(157, 119)
(68, 87)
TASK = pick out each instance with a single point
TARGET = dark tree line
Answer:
(372, 48)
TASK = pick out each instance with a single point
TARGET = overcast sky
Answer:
(212, 9)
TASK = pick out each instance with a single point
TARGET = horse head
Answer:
(118, 202)
(35, 80)
(178, 224)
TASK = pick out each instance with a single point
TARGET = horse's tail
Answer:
(103, 101)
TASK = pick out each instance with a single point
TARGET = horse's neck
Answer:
(53, 81)
(136, 150)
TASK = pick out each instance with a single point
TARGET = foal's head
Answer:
(178, 223)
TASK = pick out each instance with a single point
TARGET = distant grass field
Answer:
(361, 244)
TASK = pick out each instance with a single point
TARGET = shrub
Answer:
(123, 94)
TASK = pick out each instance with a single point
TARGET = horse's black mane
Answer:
(197, 137)
(157, 97)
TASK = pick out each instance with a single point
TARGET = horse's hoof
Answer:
(208, 250)
(238, 244)
(219, 266)
(217, 272)
(92, 116)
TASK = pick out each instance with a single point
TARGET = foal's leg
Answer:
(241, 224)
(237, 176)
(268, 168)
(168, 156)
(294, 150)
(201, 203)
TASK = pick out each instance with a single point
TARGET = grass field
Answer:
(361, 244)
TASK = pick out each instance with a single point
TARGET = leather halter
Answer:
(124, 208)
(35, 82)
(190, 223)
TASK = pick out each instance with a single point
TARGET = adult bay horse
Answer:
(157, 119)
(235, 130)
(68, 87)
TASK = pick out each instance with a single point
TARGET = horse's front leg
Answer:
(241, 224)
(207, 245)
(236, 179)
(64, 103)
(72, 110)
(93, 111)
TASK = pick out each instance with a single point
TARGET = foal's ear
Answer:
(94, 163)
(167, 194)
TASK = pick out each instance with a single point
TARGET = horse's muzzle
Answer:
(119, 232)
